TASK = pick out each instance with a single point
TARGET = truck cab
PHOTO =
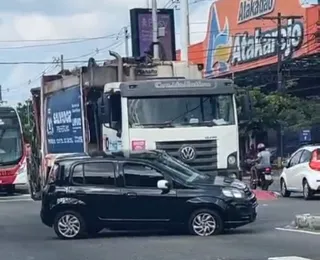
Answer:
(193, 120)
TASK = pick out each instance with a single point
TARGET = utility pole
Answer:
(185, 30)
(155, 40)
(147, 4)
(29, 114)
(61, 63)
(126, 41)
(280, 86)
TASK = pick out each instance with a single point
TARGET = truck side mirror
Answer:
(104, 109)
(245, 102)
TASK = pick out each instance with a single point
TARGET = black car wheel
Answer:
(284, 192)
(307, 192)
(205, 222)
(69, 225)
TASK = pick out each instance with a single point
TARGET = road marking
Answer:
(17, 198)
(299, 231)
(288, 258)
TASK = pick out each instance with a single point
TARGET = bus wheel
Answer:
(11, 189)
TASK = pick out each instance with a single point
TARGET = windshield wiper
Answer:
(157, 125)
(206, 123)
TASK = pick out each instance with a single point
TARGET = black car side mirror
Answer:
(163, 185)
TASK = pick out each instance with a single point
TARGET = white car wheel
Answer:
(307, 192)
(284, 192)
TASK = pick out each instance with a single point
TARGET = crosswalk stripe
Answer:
(23, 197)
(288, 258)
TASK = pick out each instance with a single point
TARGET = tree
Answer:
(25, 112)
(272, 109)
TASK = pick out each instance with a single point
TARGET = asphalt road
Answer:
(23, 236)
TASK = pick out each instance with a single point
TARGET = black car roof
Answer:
(122, 155)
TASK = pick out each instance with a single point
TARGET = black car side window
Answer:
(99, 173)
(141, 175)
(77, 175)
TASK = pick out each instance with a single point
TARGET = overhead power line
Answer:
(60, 42)
(59, 39)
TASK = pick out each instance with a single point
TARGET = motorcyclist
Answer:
(252, 152)
(263, 159)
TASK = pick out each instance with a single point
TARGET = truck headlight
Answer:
(233, 193)
(232, 160)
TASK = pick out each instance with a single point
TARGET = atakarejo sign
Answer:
(64, 121)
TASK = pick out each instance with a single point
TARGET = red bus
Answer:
(13, 165)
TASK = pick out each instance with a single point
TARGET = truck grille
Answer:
(206, 153)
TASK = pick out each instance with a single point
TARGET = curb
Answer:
(266, 195)
(307, 221)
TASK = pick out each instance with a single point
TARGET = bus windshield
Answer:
(10, 145)
(185, 111)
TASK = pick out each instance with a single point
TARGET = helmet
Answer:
(261, 146)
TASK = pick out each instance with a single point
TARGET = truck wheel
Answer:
(205, 222)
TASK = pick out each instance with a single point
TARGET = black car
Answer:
(149, 189)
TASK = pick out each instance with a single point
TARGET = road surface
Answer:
(23, 236)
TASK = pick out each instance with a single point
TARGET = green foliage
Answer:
(270, 110)
(27, 119)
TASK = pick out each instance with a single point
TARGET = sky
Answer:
(41, 30)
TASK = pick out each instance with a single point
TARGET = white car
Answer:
(301, 173)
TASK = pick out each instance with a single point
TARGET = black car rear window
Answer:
(94, 173)
(53, 174)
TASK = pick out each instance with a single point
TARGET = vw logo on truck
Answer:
(187, 153)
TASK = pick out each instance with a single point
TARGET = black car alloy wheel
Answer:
(69, 225)
(205, 222)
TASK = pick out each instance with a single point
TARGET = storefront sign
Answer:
(250, 9)
(263, 44)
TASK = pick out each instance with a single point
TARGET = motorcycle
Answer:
(260, 177)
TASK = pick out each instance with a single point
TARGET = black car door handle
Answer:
(131, 194)
(80, 192)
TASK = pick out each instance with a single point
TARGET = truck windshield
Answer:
(212, 110)
(10, 145)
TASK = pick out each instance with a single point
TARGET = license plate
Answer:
(268, 177)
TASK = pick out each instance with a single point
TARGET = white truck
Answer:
(194, 120)
(129, 104)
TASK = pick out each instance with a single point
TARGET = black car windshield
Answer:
(186, 111)
(183, 171)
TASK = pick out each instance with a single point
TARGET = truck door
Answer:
(112, 132)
